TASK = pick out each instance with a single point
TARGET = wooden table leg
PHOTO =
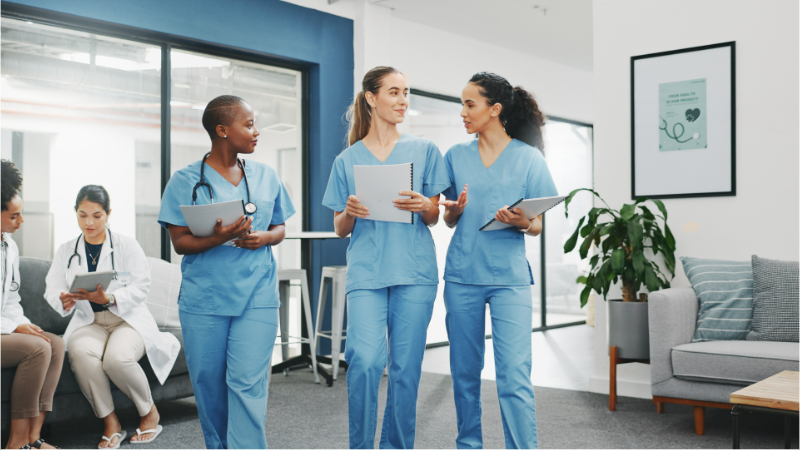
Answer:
(659, 407)
(699, 420)
(612, 379)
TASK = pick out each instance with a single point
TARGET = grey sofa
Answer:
(69, 402)
(704, 374)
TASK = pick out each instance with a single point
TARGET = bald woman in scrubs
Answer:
(391, 267)
(229, 296)
(502, 166)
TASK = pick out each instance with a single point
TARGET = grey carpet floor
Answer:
(302, 414)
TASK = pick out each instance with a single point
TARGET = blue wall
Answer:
(320, 41)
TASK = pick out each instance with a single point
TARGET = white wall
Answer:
(763, 216)
(442, 62)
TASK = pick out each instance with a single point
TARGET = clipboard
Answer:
(377, 187)
(89, 281)
(531, 207)
(201, 218)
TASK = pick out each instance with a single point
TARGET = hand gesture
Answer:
(236, 230)
(254, 240)
(99, 296)
(515, 217)
(355, 208)
(67, 300)
(456, 207)
(33, 330)
(417, 202)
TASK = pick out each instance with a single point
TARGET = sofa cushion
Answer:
(733, 362)
(775, 300)
(725, 291)
(32, 273)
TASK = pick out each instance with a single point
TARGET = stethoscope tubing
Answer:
(249, 208)
(75, 251)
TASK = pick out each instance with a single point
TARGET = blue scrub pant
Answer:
(405, 312)
(228, 359)
(510, 308)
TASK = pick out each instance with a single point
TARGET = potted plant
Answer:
(622, 238)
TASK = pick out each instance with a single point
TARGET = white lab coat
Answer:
(130, 292)
(12, 315)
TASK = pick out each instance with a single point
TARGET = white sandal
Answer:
(156, 431)
(122, 435)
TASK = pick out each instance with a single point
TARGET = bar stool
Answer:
(335, 275)
(284, 278)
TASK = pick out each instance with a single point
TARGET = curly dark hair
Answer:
(11, 181)
(520, 115)
(220, 111)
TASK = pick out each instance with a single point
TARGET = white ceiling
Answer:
(558, 30)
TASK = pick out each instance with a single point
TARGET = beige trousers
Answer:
(38, 365)
(109, 348)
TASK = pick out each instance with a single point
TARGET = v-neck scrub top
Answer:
(492, 257)
(382, 254)
(226, 280)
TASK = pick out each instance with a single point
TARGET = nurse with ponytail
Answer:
(391, 267)
(504, 164)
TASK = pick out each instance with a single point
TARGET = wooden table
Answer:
(777, 394)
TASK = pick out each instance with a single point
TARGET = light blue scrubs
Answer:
(490, 267)
(391, 285)
(228, 302)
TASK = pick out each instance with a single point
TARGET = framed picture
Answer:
(691, 95)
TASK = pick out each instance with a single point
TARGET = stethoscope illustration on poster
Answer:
(682, 115)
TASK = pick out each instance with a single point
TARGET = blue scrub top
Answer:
(226, 280)
(492, 257)
(384, 254)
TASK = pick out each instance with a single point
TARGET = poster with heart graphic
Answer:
(682, 115)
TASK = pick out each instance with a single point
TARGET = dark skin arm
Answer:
(186, 243)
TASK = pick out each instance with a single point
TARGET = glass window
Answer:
(77, 109)
(275, 95)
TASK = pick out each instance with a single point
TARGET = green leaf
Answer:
(627, 212)
(635, 235)
(669, 261)
(630, 274)
(650, 279)
(661, 208)
(581, 279)
(572, 195)
(638, 263)
(618, 260)
(670, 238)
(587, 244)
(606, 229)
(585, 295)
(593, 261)
(587, 229)
(647, 213)
(570, 244)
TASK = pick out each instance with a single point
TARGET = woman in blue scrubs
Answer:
(502, 166)
(229, 296)
(391, 267)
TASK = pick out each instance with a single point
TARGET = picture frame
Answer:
(692, 153)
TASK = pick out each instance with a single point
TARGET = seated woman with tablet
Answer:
(112, 329)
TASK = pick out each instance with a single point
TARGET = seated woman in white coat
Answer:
(110, 330)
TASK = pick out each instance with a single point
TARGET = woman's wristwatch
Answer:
(111, 301)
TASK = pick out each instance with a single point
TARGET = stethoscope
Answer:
(14, 286)
(249, 208)
(75, 251)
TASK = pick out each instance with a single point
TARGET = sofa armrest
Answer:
(672, 315)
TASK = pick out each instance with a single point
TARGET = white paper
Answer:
(202, 218)
(532, 208)
(377, 187)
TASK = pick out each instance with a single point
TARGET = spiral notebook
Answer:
(377, 187)
(532, 208)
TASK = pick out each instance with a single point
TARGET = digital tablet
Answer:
(89, 281)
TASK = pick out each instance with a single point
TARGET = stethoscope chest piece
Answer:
(250, 208)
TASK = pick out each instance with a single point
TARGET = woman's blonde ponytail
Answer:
(359, 115)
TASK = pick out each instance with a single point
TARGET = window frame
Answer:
(167, 42)
(542, 254)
